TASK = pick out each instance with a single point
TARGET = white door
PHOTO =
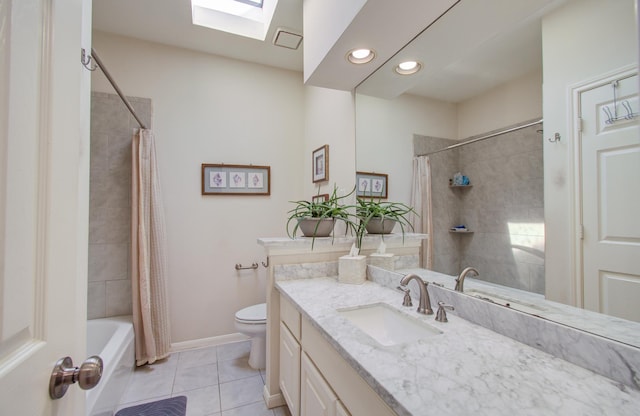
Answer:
(316, 397)
(290, 369)
(610, 162)
(44, 107)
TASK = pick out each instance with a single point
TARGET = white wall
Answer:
(385, 130)
(209, 109)
(505, 105)
(581, 40)
(330, 119)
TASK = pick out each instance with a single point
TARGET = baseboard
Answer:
(272, 400)
(208, 342)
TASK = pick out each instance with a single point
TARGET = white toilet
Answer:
(252, 321)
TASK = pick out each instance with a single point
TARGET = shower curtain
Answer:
(148, 254)
(421, 203)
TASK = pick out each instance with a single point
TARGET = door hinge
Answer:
(579, 124)
(581, 232)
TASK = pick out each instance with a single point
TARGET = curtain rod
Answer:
(126, 102)
(488, 136)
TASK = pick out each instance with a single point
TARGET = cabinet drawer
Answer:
(290, 316)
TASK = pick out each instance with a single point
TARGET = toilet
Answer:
(252, 321)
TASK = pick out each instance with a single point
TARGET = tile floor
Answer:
(216, 380)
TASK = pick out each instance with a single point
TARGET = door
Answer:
(290, 369)
(44, 107)
(316, 397)
(610, 171)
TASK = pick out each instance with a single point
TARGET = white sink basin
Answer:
(388, 326)
(505, 301)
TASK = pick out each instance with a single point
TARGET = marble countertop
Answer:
(465, 370)
(607, 326)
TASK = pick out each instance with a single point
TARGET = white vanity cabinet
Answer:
(314, 379)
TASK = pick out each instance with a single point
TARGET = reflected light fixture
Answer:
(408, 67)
(360, 56)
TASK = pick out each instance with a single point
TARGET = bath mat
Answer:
(175, 406)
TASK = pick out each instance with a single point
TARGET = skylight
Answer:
(256, 3)
(249, 18)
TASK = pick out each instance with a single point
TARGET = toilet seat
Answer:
(255, 314)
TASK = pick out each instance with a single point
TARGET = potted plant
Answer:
(377, 217)
(317, 218)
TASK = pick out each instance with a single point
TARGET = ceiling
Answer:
(464, 56)
(169, 22)
(475, 46)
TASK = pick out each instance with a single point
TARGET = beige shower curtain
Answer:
(148, 254)
(421, 203)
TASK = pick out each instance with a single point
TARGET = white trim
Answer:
(208, 342)
(574, 150)
(272, 400)
(45, 134)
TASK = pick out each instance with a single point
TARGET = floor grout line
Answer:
(233, 373)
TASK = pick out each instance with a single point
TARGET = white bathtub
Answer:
(111, 339)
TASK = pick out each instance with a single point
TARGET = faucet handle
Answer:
(407, 297)
(441, 315)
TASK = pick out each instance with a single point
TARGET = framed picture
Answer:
(236, 179)
(320, 198)
(320, 164)
(372, 184)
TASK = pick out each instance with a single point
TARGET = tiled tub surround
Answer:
(109, 288)
(465, 370)
(504, 208)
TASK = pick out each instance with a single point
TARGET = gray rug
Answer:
(175, 406)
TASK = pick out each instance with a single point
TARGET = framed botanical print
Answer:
(320, 164)
(235, 179)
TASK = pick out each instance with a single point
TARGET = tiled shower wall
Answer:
(504, 208)
(445, 204)
(109, 289)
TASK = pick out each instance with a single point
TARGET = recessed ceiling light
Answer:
(360, 56)
(408, 67)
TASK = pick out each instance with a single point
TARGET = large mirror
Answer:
(481, 81)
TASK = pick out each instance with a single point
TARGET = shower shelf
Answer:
(461, 232)
(460, 186)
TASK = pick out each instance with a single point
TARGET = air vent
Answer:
(287, 38)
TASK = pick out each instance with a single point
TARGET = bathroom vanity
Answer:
(326, 362)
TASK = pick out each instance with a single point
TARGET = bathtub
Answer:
(112, 340)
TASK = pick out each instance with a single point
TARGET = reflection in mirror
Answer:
(496, 222)
(482, 74)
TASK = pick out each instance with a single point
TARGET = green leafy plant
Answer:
(332, 208)
(374, 209)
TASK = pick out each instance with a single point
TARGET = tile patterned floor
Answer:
(216, 380)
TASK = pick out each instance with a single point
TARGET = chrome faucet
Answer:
(462, 275)
(424, 305)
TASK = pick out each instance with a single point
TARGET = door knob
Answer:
(64, 373)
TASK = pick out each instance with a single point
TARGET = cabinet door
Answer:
(316, 397)
(290, 369)
(341, 410)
